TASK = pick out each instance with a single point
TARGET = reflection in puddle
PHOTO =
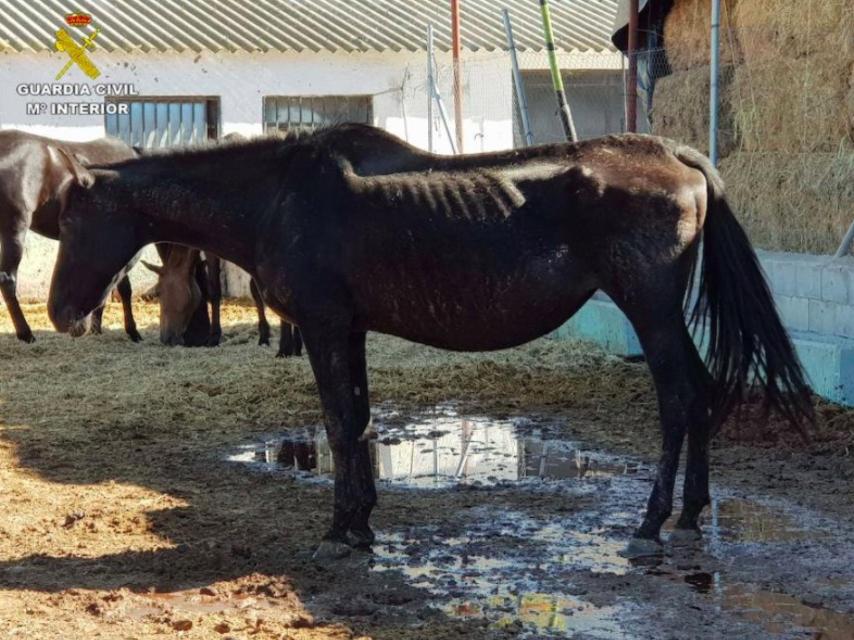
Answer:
(749, 521)
(513, 571)
(442, 450)
(779, 613)
(540, 569)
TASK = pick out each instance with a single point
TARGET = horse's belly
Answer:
(473, 310)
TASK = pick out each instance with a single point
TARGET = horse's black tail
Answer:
(747, 342)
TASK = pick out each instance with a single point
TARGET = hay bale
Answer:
(767, 29)
(681, 110)
(686, 34)
(793, 105)
(792, 202)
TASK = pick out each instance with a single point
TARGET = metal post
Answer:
(714, 88)
(458, 83)
(443, 113)
(557, 80)
(625, 95)
(632, 83)
(517, 79)
(430, 87)
(845, 245)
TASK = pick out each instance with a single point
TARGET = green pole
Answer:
(557, 80)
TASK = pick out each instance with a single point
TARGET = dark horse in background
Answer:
(34, 183)
(466, 253)
(187, 283)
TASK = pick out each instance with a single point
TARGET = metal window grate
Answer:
(287, 113)
(155, 122)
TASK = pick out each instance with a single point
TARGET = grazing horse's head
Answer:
(97, 241)
(180, 295)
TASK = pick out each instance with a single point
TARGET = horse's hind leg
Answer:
(263, 325)
(682, 401)
(11, 252)
(696, 489)
(126, 295)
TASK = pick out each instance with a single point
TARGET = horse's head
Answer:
(97, 240)
(180, 295)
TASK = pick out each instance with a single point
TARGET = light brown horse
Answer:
(34, 182)
(186, 284)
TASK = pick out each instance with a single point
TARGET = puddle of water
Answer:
(547, 613)
(746, 520)
(443, 449)
(512, 571)
(515, 568)
(781, 613)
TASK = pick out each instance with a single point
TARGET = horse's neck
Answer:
(179, 214)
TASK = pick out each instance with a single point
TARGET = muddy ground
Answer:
(123, 519)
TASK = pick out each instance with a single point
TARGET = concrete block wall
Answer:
(815, 298)
(814, 293)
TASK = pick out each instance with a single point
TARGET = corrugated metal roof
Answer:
(305, 25)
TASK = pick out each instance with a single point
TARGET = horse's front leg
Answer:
(286, 340)
(263, 325)
(11, 252)
(214, 282)
(126, 296)
(361, 534)
(296, 336)
(328, 346)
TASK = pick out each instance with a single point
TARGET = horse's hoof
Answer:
(263, 342)
(330, 550)
(685, 535)
(283, 354)
(361, 538)
(27, 337)
(134, 336)
(642, 548)
(212, 342)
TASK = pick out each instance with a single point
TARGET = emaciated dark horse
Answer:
(478, 252)
(34, 182)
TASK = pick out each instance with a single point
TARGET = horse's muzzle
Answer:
(69, 320)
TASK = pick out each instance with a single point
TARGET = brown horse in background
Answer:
(186, 284)
(34, 182)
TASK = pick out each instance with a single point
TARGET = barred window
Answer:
(287, 113)
(167, 121)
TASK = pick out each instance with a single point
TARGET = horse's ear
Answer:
(82, 176)
(153, 267)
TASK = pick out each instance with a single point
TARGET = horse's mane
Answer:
(226, 148)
